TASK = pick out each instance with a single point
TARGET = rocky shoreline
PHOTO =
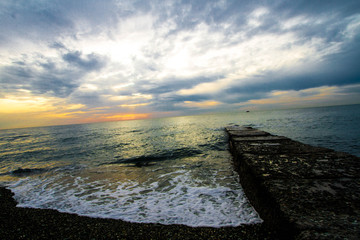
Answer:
(29, 223)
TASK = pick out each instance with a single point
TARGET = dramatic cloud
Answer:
(93, 60)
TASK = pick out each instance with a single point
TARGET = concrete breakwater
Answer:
(302, 191)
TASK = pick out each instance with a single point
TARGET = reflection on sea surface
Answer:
(172, 170)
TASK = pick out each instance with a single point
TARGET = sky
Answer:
(67, 61)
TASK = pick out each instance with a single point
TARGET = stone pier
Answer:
(301, 191)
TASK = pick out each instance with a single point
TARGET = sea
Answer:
(169, 170)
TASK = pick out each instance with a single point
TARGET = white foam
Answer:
(174, 198)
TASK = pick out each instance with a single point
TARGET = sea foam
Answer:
(174, 198)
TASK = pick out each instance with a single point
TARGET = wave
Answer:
(173, 198)
(10, 155)
(21, 172)
(25, 172)
(14, 138)
(147, 160)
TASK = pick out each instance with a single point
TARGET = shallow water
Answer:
(170, 170)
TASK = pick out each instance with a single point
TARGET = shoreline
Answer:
(31, 223)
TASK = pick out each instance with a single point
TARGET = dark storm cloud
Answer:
(46, 20)
(34, 19)
(290, 8)
(91, 99)
(328, 19)
(41, 75)
(188, 14)
(336, 70)
(57, 45)
(58, 83)
(53, 85)
(89, 62)
(170, 84)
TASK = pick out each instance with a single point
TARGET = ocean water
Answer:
(170, 170)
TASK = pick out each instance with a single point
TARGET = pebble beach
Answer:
(30, 223)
